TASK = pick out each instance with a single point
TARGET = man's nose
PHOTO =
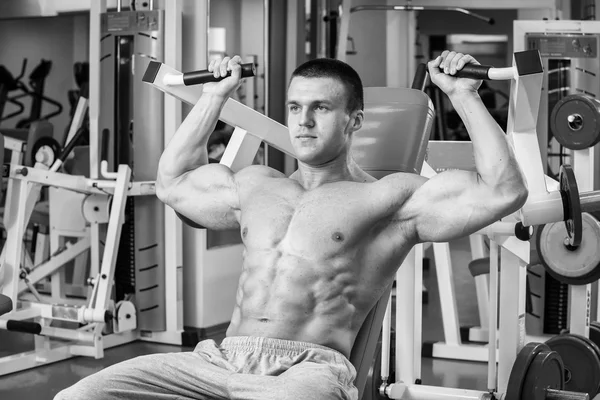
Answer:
(306, 118)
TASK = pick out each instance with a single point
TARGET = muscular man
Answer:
(320, 246)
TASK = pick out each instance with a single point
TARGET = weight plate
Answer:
(575, 122)
(571, 204)
(545, 372)
(595, 333)
(49, 146)
(518, 373)
(581, 362)
(573, 266)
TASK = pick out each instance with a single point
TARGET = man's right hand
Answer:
(228, 85)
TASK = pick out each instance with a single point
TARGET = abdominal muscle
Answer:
(289, 297)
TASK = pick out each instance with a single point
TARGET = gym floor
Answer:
(44, 382)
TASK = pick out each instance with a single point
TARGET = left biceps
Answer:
(451, 205)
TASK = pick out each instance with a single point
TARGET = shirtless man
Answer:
(320, 246)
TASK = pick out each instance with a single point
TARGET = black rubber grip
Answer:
(151, 72)
(205, 76)
(420, 79)
(523, 233)
(69, 147)
(105, 142)
(23, 326)
(473, 71)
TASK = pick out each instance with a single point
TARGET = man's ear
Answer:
(357, 119)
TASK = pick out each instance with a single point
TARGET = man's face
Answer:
(318, 120)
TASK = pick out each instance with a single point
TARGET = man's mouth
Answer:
(306, 137)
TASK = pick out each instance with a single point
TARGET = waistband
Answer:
(271, 345)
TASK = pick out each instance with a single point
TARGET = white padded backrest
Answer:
(393, 138)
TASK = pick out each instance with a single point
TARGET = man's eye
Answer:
(294, 108)
(321, 108)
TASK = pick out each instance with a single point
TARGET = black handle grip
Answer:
(105, 142)
(421, 77)
(23, 326)
(205, 76)
(473, 71)
(522, 232)
(69, 147)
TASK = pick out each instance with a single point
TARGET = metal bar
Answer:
(424, 392)
(386, 341)
(55, 262)
(422, 8)
(590, 201)
(173, 238)
(554, 394)
(493, 316)
(443, 268)
(77, 183)
(405, 278)
(109, 258)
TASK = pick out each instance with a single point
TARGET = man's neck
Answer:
(342, 168)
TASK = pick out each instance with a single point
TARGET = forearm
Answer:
(494, 157)
(187, 149)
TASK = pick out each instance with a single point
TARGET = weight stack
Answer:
(534, 300)
(556, 305)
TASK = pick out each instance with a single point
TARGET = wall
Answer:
(227, 14)
(50, 39)
(252, 43)
(368, 30)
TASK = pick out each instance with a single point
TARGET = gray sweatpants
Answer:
(240, 368)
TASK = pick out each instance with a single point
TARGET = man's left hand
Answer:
(451, 62)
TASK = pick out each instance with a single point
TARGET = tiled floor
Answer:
(44, 382)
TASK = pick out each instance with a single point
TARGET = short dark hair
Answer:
(339, 70)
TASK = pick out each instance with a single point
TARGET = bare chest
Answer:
(318, 224)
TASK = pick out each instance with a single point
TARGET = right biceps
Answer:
(207, 196)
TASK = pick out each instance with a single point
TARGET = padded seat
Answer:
(5, 304)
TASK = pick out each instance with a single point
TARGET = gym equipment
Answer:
(37, 80)
(526, 78)
(574, 266)
(581, 358)
(61, 343)
(343, 38)
(538, 374)
(201, 76)
(45, 150)
(98, 203)
(553, 308)
(5, 301)
(570, 54)
(575, 122)
(595, 333)
(7, 84)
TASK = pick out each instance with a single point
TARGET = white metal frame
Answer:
(88, 340)
(172, 119)
(24, 185)
(583, 162)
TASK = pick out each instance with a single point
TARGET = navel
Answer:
(338, 236)
(245, 232)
